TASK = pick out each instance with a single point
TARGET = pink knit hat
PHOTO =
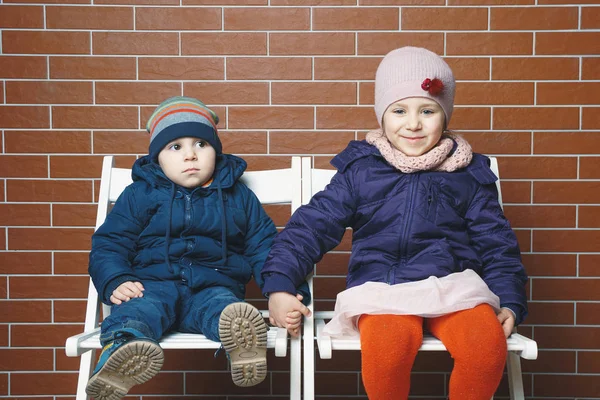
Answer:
(413, 72)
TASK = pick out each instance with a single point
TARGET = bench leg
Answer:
(515, 379)
(85, 370)
(295, 366)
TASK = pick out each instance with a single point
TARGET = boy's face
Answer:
(188, 161)
(414, 125)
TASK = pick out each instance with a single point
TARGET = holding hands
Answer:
(127, 291)
(286, 311)
(507, 320)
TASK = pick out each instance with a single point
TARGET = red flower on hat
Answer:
(433, 86)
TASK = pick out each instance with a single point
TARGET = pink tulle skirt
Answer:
(431, 297)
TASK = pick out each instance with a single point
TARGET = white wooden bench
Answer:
(315, 180)
(271, 187)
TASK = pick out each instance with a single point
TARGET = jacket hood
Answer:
(228, 170)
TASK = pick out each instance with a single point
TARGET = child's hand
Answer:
(127, 291)
(286, 310)
(507, 320)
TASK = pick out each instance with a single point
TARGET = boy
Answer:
(176, 252)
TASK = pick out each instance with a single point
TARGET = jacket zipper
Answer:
(188, 210)
(414, 181)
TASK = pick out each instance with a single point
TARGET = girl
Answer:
(431, 247)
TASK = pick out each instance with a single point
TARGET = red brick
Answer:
(3, 383)
(564, 241)
(24, 117)
(340, 43)
(346, 68)
(92, 68)
(566, 142)
(340, 383)
(550, 264)
(490, 93)
(48, 287)
(590, 68)
(69, 311)
(45, 383)
(465, 68)
(177, 18)
(225, 43)
(536, 118)
(489, 43)
(3, 338)
(86, 17)
(538, 167)
(135, 43)
(515, 192)
(534, 18)
(228, 92)
(443, 18)
(21, 17)
(135, 92)
(244, 142)
(64, 363)
(499, 142)
(25, 67)
(25, 263)
(568, 93)
(129, 142)
(24, 214)
(271, 117)
(269, 68)
(14, 166)
(163, 383)
(259, 163)
(364, 18)
(381, 43)
(3, 285)
(590, 118)
(551, 361)
(313, 93)
(177, 68)
(402, 2)
(47, 142)
(541, 216)
(589, 217)
(588, 313)
(49, 238)
(567, 337)
(588, 167)
(220, 383)
(71, 262)
(565, 43)
(490, 2)
(590, 18)
(588, 362)
(48, 92)
(102, 117)
(566, 385)
(26, 311)
(538, 68)
(589, 265)
(263, 19)
(26, 360)
(542, 313)
(325, 142)
(470, 118)
(346, 118)
(45, 42)
(566, 192)
(141, 2)
(314, 2)
(74, 214)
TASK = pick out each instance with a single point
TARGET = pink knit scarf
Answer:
(436, 159)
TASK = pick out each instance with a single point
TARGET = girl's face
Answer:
(188, 161)
(414, 125)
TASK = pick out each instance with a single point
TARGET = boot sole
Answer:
(131, 364)
(243, 334)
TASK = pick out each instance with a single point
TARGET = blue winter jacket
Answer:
(214, 236)
(406, 227)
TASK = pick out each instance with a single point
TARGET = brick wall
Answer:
(78, 81)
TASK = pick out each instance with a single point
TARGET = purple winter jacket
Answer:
(406, 227)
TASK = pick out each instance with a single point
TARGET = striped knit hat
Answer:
(182, 117)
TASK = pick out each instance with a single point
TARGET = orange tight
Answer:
(473, 337)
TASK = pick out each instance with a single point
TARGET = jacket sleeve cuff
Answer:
(515, 310)
(113, 284)
(275, 282)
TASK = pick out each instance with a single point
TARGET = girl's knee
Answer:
(391, 334)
